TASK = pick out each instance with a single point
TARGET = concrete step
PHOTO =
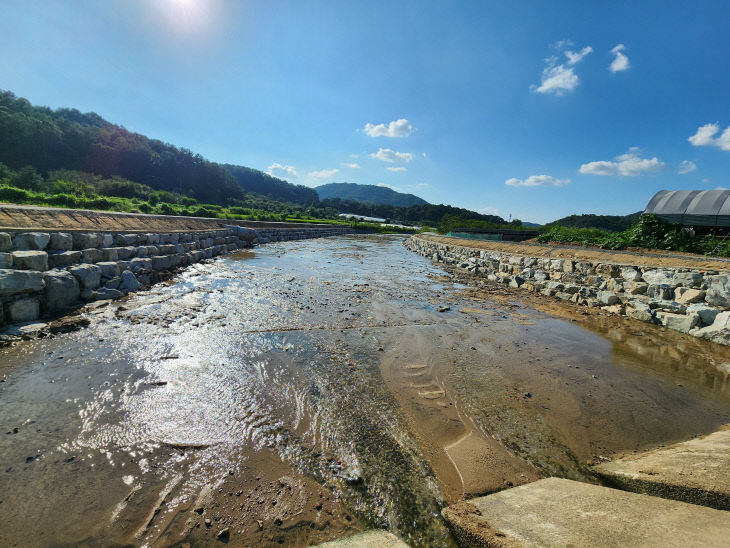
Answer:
(696, 471)
(368, 539)
(560, 512)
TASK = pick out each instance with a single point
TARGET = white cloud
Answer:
(577, 57)
(558, 78)
(620, 61)
(686, 167)
(423, 185)
(489, 210)
(353, 165)
(322, 174)
(283, 172)
(395, 169)
(537, 180)
(395, 129)
(626, 165)
(386, 186)
(705, 137)
(388, 155)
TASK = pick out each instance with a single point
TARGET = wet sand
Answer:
(312, 389)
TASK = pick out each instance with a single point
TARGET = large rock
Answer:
(719, 331)
(687, 279)
(88, 275)
(104, 293)
(687, 295)
(6, 242)
(639, 311)
(107, 240)
(707, 314)
(13, 282)
(129, 282)
(30, 260)
(718, 291)
(86, 240)
(25, 241)
(62, 290)
(61, 241)
(658, 276)
(109, 269)
(64, 258)
(24, 310)
(678, 322)
(660, 291)
(607, 298)
(91, 255)
(630, 274)
(6, 260)
(160, 262)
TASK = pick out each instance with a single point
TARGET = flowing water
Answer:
(310, 389)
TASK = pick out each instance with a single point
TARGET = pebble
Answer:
(223, 533)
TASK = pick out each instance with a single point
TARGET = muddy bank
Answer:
(310, 389)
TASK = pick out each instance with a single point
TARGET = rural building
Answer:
(710, 208)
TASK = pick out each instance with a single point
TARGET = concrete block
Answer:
(6, 260)
(368, 539)
(126, 252)
(107, 240)
(25, 241)
(560, 512)
(30, 260)
(13, 282)
(91, 256)
(696, 471)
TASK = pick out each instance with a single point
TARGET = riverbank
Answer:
(60, 265)
(685, 293)
(302, 391)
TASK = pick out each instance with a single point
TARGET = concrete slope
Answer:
(368, 539)
(696, 471)
(559, 512)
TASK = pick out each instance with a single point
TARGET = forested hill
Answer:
(371, 194)
(615, 223)
(65, 138)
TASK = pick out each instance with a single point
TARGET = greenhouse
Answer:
(710, 208)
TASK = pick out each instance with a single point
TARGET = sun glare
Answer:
(189, 15)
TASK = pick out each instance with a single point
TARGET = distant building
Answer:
(709, 208)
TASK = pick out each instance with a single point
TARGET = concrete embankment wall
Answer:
(693, 301)
(46, 273)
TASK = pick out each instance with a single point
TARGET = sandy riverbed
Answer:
(312, 389)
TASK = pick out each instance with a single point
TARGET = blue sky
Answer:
(534, 109)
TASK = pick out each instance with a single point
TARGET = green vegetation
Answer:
(614, 223)
(649, 232)
(452, 223)
(68, 139)
(369, 194)
(424, 214)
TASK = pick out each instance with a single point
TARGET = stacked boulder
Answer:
(43, 274)
(696, 302)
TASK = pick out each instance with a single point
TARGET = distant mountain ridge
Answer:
(368, 194)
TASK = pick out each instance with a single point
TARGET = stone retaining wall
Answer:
(44, 274)
(696, 302)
